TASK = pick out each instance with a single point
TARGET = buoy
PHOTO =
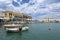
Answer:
(49, 29)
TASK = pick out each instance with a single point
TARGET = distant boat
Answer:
(49, 29)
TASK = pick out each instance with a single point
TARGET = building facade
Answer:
(7, 15)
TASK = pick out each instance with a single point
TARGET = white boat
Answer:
(25, 28)
(15, 28)
(12, 27)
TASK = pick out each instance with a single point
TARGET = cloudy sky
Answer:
(36, 8)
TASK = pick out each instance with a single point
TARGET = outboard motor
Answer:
(20, 28)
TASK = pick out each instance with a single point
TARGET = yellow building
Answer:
(8, 15)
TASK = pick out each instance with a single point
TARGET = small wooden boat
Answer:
(15, 28)
(12, 27)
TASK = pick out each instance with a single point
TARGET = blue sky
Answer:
(38, 9)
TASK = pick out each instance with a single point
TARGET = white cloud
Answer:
(52, 10)
(39, 1)
(39, 7)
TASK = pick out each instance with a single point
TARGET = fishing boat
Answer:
(12, 27)
(15, 28)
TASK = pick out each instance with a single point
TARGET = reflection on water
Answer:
(11, 34)
(15, 36)
(41, 31)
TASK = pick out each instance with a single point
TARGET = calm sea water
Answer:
(39, 31)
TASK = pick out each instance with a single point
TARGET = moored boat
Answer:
(15, 28)
(12, 27)
(25, 28)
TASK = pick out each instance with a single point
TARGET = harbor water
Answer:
(37, 31)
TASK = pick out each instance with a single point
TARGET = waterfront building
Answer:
(7, 15)
(49, 20)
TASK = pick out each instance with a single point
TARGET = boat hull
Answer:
(12, 29)
(16, 29)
